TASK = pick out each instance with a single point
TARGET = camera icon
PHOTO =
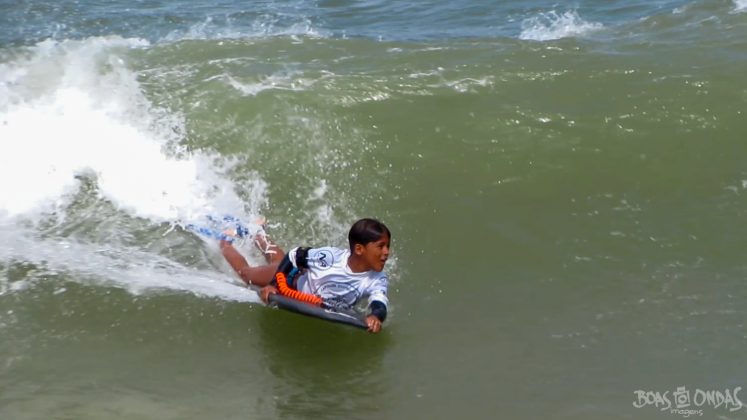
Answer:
(681, 397)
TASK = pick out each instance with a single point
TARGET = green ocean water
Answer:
(565, 188)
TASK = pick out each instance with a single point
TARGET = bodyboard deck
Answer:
(293, 305)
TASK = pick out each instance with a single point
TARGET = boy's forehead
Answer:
(384, 238)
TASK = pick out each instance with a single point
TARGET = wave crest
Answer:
(551, 25)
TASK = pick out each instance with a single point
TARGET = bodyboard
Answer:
(293, 305)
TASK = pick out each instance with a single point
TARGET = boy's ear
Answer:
(358, 249)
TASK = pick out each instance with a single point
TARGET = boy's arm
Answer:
(377, 304)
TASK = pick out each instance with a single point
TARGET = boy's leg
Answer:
(259, 275)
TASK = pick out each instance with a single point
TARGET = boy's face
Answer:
(374, 253)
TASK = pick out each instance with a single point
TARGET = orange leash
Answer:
(285, 290)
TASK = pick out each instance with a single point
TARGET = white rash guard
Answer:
(330, 278)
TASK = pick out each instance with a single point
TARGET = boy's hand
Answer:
(266, 291)
(374, 325)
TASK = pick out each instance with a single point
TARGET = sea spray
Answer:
(90, 118)
(554, 25)
(87, 164)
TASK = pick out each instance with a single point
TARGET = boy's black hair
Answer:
(365, 231)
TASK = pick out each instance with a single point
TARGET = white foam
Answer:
(271, 82)
(73, 108)
(264, 26)
(740, 5)
(127, 268)
(551, 25)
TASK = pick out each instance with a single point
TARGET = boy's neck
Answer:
(356, 264)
